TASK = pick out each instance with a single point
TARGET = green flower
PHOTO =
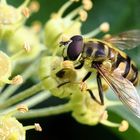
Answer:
(11, 18)
(24, 44)
(11, 128)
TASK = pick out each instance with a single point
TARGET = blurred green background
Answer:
(122, 15)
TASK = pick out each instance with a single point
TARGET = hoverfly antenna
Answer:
(64, 43)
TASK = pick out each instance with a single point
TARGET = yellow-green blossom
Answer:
(11, 17)
(11, 128)
(24, 44)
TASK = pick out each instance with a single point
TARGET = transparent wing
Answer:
(126, 40)
(124, 89)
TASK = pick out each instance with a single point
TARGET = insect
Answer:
(110, 63)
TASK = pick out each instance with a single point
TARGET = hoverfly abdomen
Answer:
(129, 70)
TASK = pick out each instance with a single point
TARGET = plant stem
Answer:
(36, 99)
(55, 110)
(22, 95)
(12, 88)
(30, 102)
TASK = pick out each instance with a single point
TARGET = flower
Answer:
(24, 44)
(11, 128)
(11, 18)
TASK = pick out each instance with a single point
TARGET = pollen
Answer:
(87, 4)
(67, 64)
(17, 80)
(123, 126)
(26, 12)
(83, 15)
(104, 27)
(34, 6)
(36, 26)
(83, 86)
(38, 127)
(22, 108)
(27, 46)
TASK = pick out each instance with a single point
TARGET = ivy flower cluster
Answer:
(33, 51)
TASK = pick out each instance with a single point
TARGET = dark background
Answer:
(122, 15)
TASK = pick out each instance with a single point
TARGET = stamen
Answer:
(36, 26)
(87, 4)
(64, 7)
(34, 6)
(24, 4)
(26, 12)
(104, 27)
(123, 126)
(92, 33)
(74, 13)
(22, 108)
(83, 15)
(17, 80)
(36, 126)
(27, 46)
(110, 124)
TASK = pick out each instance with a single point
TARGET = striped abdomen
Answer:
(128, 68)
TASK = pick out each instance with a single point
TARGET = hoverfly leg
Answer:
(80, 65)
(93, 97)
(100, 88)
(86, 76)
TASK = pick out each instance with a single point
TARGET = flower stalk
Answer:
(22, 95)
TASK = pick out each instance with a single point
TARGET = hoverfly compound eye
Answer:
(75, 47)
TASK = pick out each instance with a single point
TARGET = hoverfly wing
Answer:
(123, 88)
(126, 40)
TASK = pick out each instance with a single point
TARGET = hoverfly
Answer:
(110, 63)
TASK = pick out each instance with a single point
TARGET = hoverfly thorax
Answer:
(95, 51)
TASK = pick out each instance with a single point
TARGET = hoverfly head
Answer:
(75, 47)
